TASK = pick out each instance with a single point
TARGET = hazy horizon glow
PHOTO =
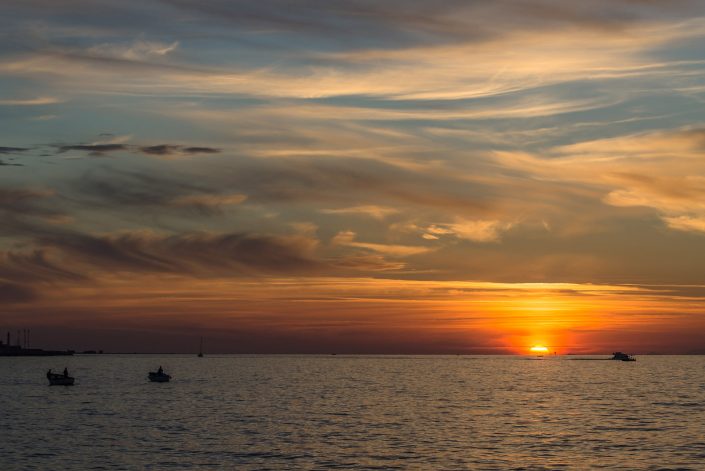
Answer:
(354, 177)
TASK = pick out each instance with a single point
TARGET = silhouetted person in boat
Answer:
(66, 373)
(160, 371)
(49, 374)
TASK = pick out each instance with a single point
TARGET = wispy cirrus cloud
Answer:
(195, 253)
(139, 50)
(376, 212)
(660, 170)
(463, 58)
(39, 101)
(133, 189)
(686, 223)
(27, 202)
(347, 238)
(474, 230)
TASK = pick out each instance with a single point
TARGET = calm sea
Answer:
(353, 412)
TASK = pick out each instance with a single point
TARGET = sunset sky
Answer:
(353, 176)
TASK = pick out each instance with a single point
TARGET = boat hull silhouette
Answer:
(60, 380)
(158, 377)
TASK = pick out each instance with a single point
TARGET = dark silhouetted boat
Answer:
(622, 357)
(159, 376)
(60, 379)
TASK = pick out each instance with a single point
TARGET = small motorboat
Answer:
(60, 379)
(159, 376)
(622, 357)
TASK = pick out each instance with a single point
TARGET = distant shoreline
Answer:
(572, 357)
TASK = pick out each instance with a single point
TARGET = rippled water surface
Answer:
(353, 412)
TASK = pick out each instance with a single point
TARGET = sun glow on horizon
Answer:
(538, 349)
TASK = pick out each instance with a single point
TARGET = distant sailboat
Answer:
(200, 349)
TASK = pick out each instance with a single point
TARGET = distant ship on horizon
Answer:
(622, 357)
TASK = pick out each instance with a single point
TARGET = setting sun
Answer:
(539, 349)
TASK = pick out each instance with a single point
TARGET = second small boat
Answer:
(159, 376)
